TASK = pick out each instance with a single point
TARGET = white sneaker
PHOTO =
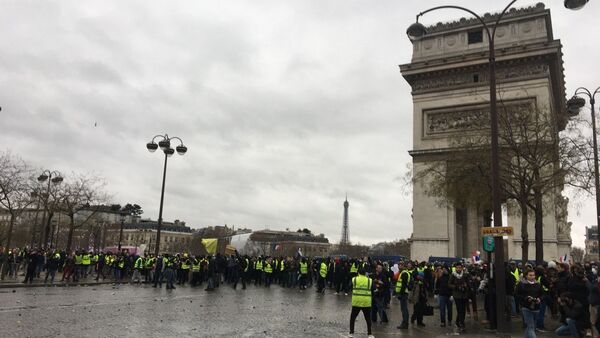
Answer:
(350, 335)
(371, 336)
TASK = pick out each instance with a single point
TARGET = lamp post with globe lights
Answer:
(53, 177)
(575, 104)
(165, 146)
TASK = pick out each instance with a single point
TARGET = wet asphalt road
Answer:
(142, 311)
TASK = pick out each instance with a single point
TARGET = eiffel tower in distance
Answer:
(345, 241)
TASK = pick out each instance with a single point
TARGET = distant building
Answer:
(591, 241)
(282, 243)
(174, 236)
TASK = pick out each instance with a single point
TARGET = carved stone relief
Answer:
(448, 81)
(464, 118)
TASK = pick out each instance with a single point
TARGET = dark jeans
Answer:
(461, 311)
(418, 310)
(29, 275)
(378, 308)
(321, 284)
(404, 308)
(366, 312)
(170, 277)
(50, 273)
(158, 278)
(445, 308)
(568, 329)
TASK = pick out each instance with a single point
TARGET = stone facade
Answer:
(449, 77)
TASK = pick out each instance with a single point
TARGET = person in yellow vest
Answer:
(137, 270)
(362, 299)
(303, 267)
(169, 265)
(403, 288)
(258, 271)
(78, 266)
(322, 277)
(268, 269)
(86, 263)
(185, 270)
(148, 264)
(195, 271)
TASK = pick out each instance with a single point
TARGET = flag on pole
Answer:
(564, 258)
(230, 250)
(210, 244)
(476, 257)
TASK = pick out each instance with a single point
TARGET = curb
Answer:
(59, 284)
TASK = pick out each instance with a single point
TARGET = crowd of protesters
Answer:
(568, 293)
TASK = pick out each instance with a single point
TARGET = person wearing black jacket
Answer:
(573, 317)
(382, 286)
(577, 286)
(593, 284)
(158, 272)
(52, 267)
(32, 260)
(212, 273)
(529, 295)
(443, 293)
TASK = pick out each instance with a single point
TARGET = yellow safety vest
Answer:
(139, 263)
(268, 268)
(247, 264)
(86, 260)
(399, 282)
(323, 270)
(303, 268)
(354, 268)
(361, 291)
(259, 265)
(196, 266)
(78, 259)
(516, 274)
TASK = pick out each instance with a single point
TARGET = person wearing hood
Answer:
(529, 294)
(458, 283)
(418, 296)
(443, 294)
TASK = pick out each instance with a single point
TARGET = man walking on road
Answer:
(362, 291)
(402, 291)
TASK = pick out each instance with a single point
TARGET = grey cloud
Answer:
(285, 106)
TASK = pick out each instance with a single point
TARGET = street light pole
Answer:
(160, 210)
(573, 106)
(55, 177)
(121, 231)
(165, 146)
(416, 31)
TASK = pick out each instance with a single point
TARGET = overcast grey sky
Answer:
(285, 106)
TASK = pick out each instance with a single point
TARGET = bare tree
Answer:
(80, 200)
(577, 254)
(15, 194)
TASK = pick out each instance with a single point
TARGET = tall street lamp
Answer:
(574, 104)
(418, 30)
(54, 177)
(165, 146)
(123, 215)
